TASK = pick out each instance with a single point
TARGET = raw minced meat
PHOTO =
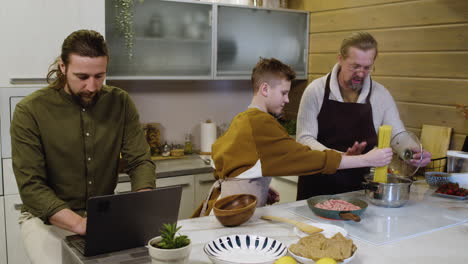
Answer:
(337, 205)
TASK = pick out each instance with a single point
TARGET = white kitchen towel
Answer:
(208, 136)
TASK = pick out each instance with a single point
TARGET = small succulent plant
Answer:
(169, 238)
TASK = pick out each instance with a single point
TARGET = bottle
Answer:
(166, 152)
(188, 144)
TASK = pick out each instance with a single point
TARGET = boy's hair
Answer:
(361, 40)
(269, 70)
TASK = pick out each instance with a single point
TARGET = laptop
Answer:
(127, 220)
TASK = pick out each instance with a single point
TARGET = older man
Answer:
(343, 111)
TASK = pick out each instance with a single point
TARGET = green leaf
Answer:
(169, 238)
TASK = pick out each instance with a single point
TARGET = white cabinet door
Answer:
(203, 183)
(33, 31)
(286, 186)
(3, 257)
(15, 248)
(187, 205)
(9, 177)
(1, 181)
(9, 97)
(123, 187)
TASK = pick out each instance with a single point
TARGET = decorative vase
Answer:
(164, 256)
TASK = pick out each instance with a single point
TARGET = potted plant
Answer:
(170, 247)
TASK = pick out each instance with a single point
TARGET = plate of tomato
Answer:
(452, 190)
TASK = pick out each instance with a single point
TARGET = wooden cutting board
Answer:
(436, 140)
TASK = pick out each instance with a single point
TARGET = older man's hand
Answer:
(356, 149)
(417, 161)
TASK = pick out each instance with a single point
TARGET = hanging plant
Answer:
(124, 22)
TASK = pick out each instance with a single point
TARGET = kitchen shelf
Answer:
(174, 40)
(205, 41)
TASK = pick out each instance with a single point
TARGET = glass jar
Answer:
(188, 148)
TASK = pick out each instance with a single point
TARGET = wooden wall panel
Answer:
(323, 5)
(423, 47)
(421, 64)
(427, 38)
(422, 90)
(399, 14)
(426, 90)
(415, 115)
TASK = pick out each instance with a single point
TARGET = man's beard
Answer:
(80, 98)
(355, 86)
(85, 102)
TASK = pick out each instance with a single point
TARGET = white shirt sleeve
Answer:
(309, 108)
(390, 114)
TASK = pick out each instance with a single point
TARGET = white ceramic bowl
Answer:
(328, 230)
(245, 249)
(435, 178)
(311, 261)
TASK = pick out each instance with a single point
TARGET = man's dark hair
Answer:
(86, 43)
(270, 70)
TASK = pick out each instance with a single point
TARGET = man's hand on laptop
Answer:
(69, 220)
(81, 228)
(144, 190)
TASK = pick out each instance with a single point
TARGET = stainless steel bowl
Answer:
(394, 193)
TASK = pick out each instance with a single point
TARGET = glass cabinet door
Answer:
(171, 40)
(245, 34)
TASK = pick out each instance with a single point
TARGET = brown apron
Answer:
(340, 125)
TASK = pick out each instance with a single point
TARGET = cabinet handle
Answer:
(18, 206)
(28, 80)
(206, 181)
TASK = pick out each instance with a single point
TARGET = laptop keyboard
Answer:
(78, 242)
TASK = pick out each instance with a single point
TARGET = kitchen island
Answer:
(445, 245)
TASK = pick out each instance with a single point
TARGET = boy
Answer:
(256, 145)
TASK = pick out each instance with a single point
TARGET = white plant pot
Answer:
(164, 256)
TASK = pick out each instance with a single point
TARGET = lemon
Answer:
(326, 261)
(286, 260)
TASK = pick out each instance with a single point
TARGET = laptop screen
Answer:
(128, 220)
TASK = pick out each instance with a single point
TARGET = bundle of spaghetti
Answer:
(385, 134)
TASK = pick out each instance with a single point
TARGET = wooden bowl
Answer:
(236, 209)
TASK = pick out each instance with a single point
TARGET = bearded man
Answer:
(343, 110)
(66, 142)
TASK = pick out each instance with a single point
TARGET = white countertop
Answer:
(448, 245)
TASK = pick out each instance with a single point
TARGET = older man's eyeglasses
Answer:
(359, 68)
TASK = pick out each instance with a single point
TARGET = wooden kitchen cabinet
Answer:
(286, 186)
(33, 31)
(15, 250)
(187, 204)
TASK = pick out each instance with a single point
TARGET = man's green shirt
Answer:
(64, 153)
